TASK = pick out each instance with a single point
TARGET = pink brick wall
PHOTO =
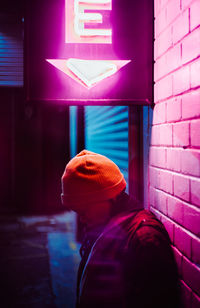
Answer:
(174, 164)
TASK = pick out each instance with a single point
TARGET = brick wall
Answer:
(174, 165)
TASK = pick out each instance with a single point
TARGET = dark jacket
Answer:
(128, 264)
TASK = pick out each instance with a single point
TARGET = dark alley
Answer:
(39, 261)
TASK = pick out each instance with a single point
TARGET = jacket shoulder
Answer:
(144, 228)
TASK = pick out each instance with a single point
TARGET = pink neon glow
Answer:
(76, 18)
(95, 1)
(91, 18)
(88, 73)
(91, 72)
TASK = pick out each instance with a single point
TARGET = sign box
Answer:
(89, 50)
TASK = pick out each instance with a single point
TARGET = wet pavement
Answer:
(39, 260)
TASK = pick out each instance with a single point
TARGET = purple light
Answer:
(88, 72)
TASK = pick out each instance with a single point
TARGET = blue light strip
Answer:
(73, 130)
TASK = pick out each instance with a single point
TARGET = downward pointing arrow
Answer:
(88, 72)
(91, 71)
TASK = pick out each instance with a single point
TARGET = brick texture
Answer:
(191, 105)
(181, 134)
(181, 80)
(180, 27)
(174, 164)
(191, 219)
(182, 187)
(173, 159)
(158, 157)
(175, 210)
(178, 257)
(169, 226)
(159, 113)
(190, 162)
(182, 241)
(194, 14)
(173, 10)
(166, 130)
(186, 293)
(195, 74)
(164, 88)
(160, 22)
(160, 201)
(195, 133)
(174, 110)
(166, 41)
(185, 3)
(195, 191)
(196, 251)
(173, 59)
(191, 275)
(166, 181)
(190, 46)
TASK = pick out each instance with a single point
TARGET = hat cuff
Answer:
(96, 196)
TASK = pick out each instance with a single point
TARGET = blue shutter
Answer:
(73, 130)
(106, 132)
(11, 56)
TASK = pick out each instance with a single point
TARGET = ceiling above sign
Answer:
(90, 49)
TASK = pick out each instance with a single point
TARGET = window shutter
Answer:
(106, 133)
(11, 55)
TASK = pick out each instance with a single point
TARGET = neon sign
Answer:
(80, 15)
(84, 24)
(88, 73)
(91, 72)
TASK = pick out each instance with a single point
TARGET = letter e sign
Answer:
(84, 21)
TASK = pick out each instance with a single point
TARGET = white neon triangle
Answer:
(91, 71)
(88, 72)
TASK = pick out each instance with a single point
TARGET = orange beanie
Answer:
(90, 177)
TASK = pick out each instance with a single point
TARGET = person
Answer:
(127, 260)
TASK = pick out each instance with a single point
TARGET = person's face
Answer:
(93, 214)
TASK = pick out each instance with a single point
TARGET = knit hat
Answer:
(90, 177)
